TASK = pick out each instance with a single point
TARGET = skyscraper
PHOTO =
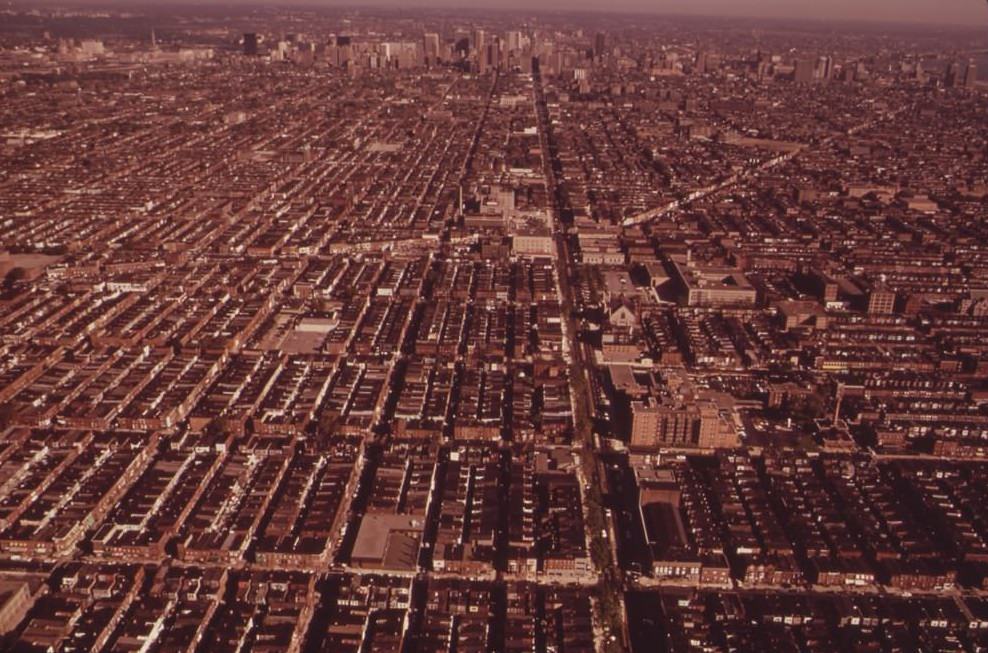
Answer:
(700, 62)
(971, 74)
(430, 47)
(480, 47)
(953, 77)
(599, 44)
(481, 51)
(250, 44)
(804, 71)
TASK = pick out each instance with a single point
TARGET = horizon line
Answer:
(430, 5)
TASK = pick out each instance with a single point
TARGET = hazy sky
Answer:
(955, 12)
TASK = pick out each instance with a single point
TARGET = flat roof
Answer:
(376, 539)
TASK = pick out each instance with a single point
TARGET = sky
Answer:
(966, 13)
(940, 11)
(945, 12)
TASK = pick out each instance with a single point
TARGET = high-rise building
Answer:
(961, 75)
(599, 45)
(481, 51)
(250, 44)
(953, 77)
(700, 63)
(430, 48)
(804, 71)
(971, 75)
(15, 601)
(403, 54)
(881, 301)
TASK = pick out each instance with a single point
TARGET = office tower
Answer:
(971, 75)
(599, 44)
(824, 68)
(250, 44)
(280, 51)
(803, 73)
(430, 47)
(700, 63)
(481, 50)
(494, 50)
(953, 77)
(305, 54)
(961, 75)
(513, 41)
